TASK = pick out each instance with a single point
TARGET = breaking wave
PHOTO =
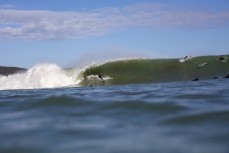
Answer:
(41, 76)
(129, 71)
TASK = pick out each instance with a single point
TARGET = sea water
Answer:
(175, 117)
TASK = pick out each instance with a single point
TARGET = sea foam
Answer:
(41, 76)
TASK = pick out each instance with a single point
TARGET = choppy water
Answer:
(178, 117)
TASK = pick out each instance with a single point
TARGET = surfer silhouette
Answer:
(91, 85)
(221, 58)
(216, 77)
(196, 79)
(186, 57)
(227, 76)
(100, 75)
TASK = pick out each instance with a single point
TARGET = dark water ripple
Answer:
(190, 117)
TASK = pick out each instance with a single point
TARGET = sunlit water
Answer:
(179, 117)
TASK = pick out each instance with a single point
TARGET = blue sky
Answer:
(72, 32)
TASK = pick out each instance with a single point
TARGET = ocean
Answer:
(174, 117)
(139, 105)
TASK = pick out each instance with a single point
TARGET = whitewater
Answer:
(41, 76)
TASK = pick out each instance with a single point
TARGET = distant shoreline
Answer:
(5, 70)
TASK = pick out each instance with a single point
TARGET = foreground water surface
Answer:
(178, 117)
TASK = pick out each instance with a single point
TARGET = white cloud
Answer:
(42, 25)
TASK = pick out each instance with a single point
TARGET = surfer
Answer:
(221, 58)
(91, 85)
(196, 79)
(100, 76)
(216, 77)
(227, 76)
(186, 57)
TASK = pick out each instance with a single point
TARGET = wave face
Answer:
(41, 76)
(160, 70)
